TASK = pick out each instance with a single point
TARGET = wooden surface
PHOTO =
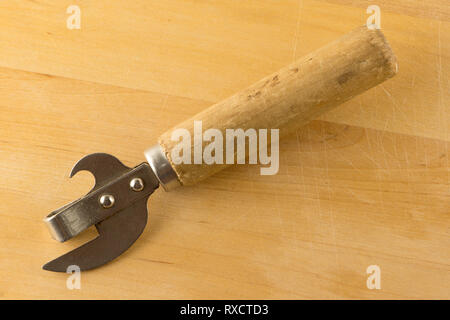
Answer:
(366, 184)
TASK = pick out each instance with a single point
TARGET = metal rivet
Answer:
(137, 184)
(107, 201)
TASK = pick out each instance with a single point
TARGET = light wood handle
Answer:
(298, 93)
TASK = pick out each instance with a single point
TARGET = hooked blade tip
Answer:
(52, 266)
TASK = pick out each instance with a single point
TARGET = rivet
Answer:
(107, 201)
(137, 184)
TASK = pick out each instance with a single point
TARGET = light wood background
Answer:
(367, 184)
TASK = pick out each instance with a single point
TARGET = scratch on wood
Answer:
(297, 30)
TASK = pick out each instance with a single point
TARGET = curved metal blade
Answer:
(116, 234)
(104, 167)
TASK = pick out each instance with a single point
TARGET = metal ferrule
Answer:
(162, 168)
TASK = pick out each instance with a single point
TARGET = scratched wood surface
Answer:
(366, 184)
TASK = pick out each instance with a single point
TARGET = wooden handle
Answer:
(291, 97)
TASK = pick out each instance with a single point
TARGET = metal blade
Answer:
(116, 234)
(104, 167)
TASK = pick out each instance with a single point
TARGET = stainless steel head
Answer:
(117, 206)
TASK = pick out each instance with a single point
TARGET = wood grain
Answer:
(209, 51)
(367, 184)
(437, 9)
